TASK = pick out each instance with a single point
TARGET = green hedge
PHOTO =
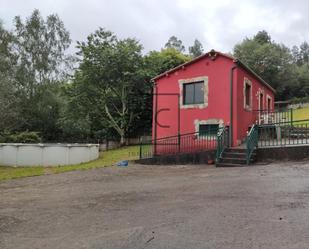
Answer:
(22, 137)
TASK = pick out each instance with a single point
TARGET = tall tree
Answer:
(196, 49)
(174, 42)
(110, 81)
(42, 63)
(160, 61)
(272, 61)
(262, 37)
(304, 53)
(8, 98)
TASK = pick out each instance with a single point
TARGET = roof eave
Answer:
(235, 60)
(254, 73)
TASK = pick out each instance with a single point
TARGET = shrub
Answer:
(22, 137)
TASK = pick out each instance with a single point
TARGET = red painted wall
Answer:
(218, 73)
(245, 118)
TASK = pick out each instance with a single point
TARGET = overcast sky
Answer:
(218, 24)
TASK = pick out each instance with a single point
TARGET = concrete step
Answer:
(235, 150)
(236, 155)
(233, 160)
(220, 164)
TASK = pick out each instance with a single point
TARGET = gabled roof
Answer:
(213, 53)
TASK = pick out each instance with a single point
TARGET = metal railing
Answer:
(251, 142)
(275, 116)
(183, 143)
(222, 142)
(284, 134)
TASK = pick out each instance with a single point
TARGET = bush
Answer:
(22, 137)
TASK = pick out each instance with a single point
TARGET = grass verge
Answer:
(301, 114)
(106, 158)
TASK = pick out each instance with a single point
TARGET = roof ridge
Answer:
(214, 53)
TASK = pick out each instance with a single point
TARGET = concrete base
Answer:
(204, 157)
(299, 152)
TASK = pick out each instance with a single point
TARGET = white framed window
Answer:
(208, 129)
(193, 92)
(247, 94)
(261, 100)
(268, 102)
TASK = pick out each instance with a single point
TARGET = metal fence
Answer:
(183, 143)
(283, 134)
(271, 117)
(222, 142)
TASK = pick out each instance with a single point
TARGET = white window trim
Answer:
(271, 100)
(198, 122)
(247, 82)
(261, 91)
(181, 82)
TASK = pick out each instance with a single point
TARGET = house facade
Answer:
(211, 91)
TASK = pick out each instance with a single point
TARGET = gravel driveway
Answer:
(181, 207)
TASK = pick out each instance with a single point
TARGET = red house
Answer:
(204, 94)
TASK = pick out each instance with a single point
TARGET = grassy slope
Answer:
(106, 158)
(301, 114)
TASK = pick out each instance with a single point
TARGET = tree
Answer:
(42, 64)
(174, 42)
(197, 49)
(304, 53)
(110, 82)
(160, 61)
(272, 61)
(262, 37)
(8, 98)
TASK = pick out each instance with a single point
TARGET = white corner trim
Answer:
(247, 82)
(181, 82)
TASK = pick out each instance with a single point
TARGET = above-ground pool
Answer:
(19, 154)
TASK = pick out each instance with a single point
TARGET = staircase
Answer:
(234, 157)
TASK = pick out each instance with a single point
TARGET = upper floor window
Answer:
(269, 107)
(261, 99)
(193, 93)
(247, 94)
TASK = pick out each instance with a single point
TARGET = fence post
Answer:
(140, 147)
(291, 110)
(178, 142)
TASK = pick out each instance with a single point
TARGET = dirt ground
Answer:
(181, 207)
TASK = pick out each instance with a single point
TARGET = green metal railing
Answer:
(222, 142)
(251, 142)
(182, 143)
(284, 134)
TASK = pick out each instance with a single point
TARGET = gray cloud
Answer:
(217, 24)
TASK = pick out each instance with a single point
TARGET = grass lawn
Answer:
(301, 114)
(107, 158)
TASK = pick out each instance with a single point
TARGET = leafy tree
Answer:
(304, 53)
(272, 61)
(262, 37)
(196, 49)
(8, 98)
(42, 64)
(174, 42)
(109, 82)
(160, 61)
